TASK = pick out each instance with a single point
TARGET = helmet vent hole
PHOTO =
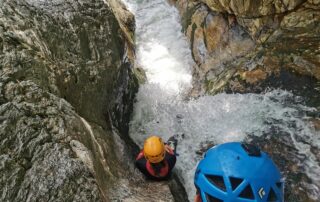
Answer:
(272, 197)
(247, 193)
(217, 181)
(251, 150)
(279, 185)
(235, 182)
(212, 199)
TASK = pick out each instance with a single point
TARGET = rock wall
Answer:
(66, 94)
(233, 41)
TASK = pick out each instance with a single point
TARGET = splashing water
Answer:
(163, 52)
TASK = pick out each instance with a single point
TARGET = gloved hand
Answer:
(173, 142)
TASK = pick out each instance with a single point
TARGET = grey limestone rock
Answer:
(64, 70)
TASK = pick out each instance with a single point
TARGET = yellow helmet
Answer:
(154, 149)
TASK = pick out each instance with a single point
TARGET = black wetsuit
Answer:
(158, 171)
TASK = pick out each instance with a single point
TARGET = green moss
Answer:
(187, 17)
(216, 85)
(140, 74)
(194, 27)
(1, 45)
(84, 44)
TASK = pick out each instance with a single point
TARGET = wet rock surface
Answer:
(288, 159)
(231, 37)
(66, 94)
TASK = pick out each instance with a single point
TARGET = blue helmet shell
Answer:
(235, 172)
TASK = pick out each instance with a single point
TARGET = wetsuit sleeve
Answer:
(170, 158)
(141, 163)
(197, 198)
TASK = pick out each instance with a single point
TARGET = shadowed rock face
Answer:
(66, 93)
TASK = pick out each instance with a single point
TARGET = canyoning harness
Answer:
(157, 171)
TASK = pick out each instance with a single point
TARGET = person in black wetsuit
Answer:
(156, 159)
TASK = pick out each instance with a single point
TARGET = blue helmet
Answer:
(235, 172)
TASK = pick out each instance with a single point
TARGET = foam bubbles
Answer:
(162, 50)
(218, 119)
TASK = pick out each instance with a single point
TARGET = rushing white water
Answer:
(163, 52)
